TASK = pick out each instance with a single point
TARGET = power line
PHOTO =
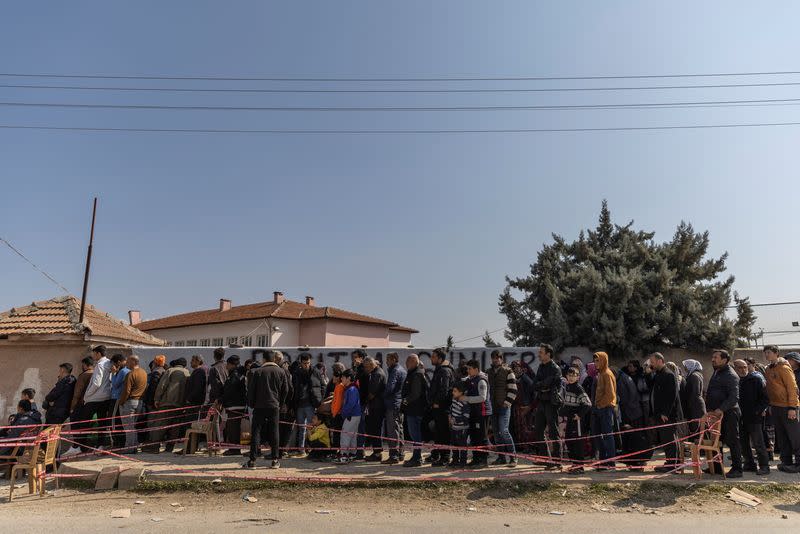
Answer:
(382, 132)
(394, 79)
(476, 337)
(303, 91)
(21, 255)
(768, 304)
(645, 105)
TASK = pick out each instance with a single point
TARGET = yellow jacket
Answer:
(320, 433)
(606, 390)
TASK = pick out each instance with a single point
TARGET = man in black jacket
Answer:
(309, 387)
(234, 400)
(722, 401)
(217, 376)
(57, 402)
(375, 408)
(414, 404)
(362, 379)
(665, 410)
(267, 389)
(197, 388)
(753, 402)
(547, 389)
(440, 396)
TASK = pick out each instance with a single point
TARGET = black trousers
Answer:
(751, 436)
(233, 427)
(575, 447)
(665, 437)
(730, 437)
(479, 437)
(787, 435)
(441, 432)
(374, 426)
(546, 416)
(102, 410)
(267, 419)
(285, 430)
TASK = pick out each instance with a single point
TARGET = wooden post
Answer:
(88, 262)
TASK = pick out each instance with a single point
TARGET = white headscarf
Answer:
(691, 366)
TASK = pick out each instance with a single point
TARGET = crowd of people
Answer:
(563, 416)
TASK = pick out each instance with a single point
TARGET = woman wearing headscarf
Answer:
(694, 407)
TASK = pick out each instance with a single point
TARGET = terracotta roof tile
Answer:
(288, 309)
(60, 316)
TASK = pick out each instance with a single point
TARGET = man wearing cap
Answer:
(783, 405)
(234, 400)
(794, 361)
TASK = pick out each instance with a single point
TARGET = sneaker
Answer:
(479, 464)
(605, 468)
(392, 460)
(249, 464)
(412, 463)
(374, 457)
(734, 473)
(763, 470)
(750, 468)
(499, 461)
(275, 464)
(232, 452)
(72, 451)
(786, 468)
(439, 463)
(669, 469)
(552, 467)
(341, 460)
(512, 463)
(575, 470)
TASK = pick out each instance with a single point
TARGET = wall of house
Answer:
(347, 333)
(312, 332)
(289, 332)
(34, 366)
(399, 339)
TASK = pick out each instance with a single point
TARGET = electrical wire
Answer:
(21, 255)
(395, 79)
(644, 105)
(392, 132)
(304, 91)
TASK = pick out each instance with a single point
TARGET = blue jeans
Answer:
(304, 415)
(501, 418)
(415, 429)
(603, 423)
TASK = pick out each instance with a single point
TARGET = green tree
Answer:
(745, 320)
(488, 341)
(615, 288)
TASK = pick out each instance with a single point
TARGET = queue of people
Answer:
(562, 416)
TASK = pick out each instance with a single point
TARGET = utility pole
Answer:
(88, 262)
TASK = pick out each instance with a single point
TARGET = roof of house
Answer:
(287, 309)
(60, 316)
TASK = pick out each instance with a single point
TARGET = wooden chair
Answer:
(707, 441)
(35, 460)
(206, 428)
(14, 456)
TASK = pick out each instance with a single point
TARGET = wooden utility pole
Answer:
(88, 262)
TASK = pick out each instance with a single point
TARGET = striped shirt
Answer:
(459, 413)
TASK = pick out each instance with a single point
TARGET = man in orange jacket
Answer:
(605, 401)
(783, 404)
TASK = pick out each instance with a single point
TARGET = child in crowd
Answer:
(318, 440)
(351, 416)
(576, 406)
(459, 425)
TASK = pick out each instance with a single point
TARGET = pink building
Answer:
(277, 323)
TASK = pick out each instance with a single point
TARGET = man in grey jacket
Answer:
(393, 417)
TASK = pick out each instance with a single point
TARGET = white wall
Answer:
(289, 331)
(399, 339)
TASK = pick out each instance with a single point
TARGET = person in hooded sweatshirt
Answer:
(783, 405)
(605, 403)
(694, 406)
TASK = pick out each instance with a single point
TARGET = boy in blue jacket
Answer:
(351, 416)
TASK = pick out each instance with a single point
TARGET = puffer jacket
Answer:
(502, 386)
(781, 385)
(171, 390)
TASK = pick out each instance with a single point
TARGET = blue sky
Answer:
(420, 229)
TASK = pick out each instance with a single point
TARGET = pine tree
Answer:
(450, 343)
(616, 289)
(745, 320)
(488, 341)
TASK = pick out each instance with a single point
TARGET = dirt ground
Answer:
(451, 507)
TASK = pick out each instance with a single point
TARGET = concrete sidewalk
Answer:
(171, 467)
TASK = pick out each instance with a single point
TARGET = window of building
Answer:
(217, 341)
(261, 341)
(233, 341)
(205, 342)
(191, 342)
(179, 343)
(247, 341)
(169, 343)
